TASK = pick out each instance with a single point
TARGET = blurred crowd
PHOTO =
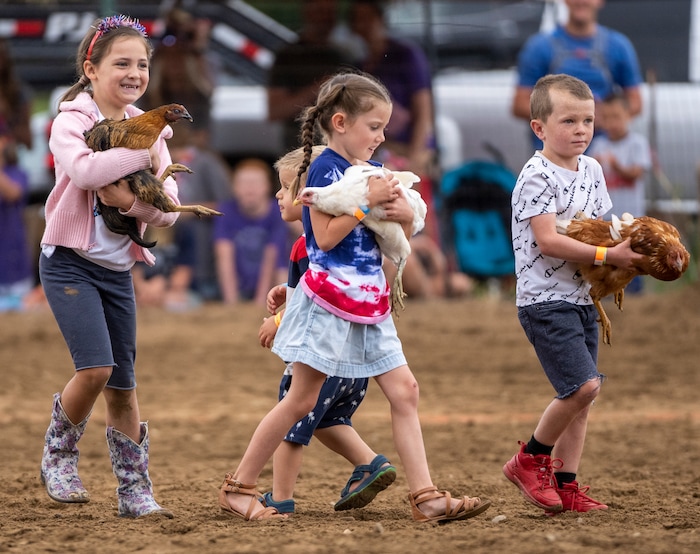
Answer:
(241, 255)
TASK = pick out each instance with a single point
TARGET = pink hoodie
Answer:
(80, 172)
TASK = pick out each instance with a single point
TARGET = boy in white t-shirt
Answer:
(554, 304)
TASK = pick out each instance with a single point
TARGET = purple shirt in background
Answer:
(404, 70)
(14, 250)
(250, 237)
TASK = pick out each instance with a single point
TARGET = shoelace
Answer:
(546, 470)
(580, 492)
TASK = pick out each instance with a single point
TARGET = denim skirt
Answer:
(313, 336)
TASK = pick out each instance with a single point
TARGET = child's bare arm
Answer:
(400, 211)
(267, 270)
(276, 297)
(118, 195)
(630, 173)
(562, 247)
(381, 189)
(267, 332)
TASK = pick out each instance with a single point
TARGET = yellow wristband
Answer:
(278, 318)
(359, 214)
(601, 254)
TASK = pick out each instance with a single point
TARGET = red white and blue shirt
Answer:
(348, 280)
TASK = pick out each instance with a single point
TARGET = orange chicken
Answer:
(665, 259)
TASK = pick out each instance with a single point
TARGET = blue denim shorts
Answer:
(337, 402)
(313, 336)
(95, 310)
(565, 337)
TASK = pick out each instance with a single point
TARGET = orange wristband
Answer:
(601, 254)
(278, 318)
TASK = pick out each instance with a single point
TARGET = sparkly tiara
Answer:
(114, 22)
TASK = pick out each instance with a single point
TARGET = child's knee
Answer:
(406, 395)
(94, 378)
(589, 391)
(299, 407)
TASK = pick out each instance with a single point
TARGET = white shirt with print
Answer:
(543, 188)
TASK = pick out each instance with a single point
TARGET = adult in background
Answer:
(181, 71)
(15, 100)
(301, 67)
(403, 68)
(601, 57)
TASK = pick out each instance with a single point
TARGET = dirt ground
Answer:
(204, 383)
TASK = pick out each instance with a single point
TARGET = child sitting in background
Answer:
(194, 272)
(250, 239)
(16, 278)
(624, 155)
(626, 158)
(339, 398)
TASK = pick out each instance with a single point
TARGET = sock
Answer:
(536, 448)
(563, 478)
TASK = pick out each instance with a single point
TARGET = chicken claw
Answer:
(196, 209)
(606, 326)
(172, 169)
(397, 292)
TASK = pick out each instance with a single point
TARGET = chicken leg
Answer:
(163, 202)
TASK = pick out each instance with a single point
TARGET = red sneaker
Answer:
(533, 476)
(575, 499)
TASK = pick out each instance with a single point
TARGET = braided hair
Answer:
(353, 93)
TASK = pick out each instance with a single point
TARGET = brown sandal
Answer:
(231, 484)
(465, 508)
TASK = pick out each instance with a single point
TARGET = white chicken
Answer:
(345, 195)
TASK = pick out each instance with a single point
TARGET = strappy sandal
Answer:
(233, 485)
(379, 478)
(465, 508)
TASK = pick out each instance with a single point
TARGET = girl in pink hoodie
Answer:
(85, 268)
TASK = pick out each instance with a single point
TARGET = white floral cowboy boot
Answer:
(59, 462)
(130, 465)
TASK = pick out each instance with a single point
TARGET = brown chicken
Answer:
(665, 259)
(141, 132)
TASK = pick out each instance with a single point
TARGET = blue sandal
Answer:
(380, 477)
(282, 507)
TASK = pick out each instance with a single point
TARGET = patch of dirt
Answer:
(204, 383)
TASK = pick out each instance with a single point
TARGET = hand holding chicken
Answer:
(665, 257)
(344, 197)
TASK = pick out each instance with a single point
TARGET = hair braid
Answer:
(352, 93)
(307, 141)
